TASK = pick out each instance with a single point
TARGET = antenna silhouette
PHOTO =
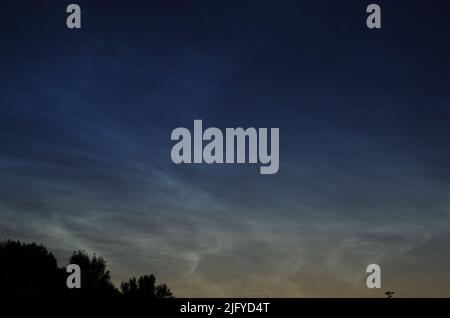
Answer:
(389, 294)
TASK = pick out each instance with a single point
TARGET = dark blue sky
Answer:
(86, 117)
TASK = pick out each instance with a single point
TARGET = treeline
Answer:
(31, 271)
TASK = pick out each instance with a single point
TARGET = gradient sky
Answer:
(364, 117)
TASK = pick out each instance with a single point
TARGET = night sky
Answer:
(364, 116)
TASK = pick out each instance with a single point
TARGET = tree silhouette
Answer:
(31, 271)
(145, 288)
(95, 278)
(146, 285)
(130, 288)
(162, 291)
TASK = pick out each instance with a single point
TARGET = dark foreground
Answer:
(237, 307)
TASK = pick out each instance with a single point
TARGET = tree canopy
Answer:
(31, 271)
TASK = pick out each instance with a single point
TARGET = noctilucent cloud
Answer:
(364, 119)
